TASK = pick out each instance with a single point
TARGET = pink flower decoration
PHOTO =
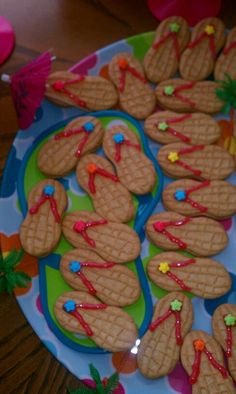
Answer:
(192, 10)
(178, 379)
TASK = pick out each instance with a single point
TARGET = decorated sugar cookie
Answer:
(226, 63)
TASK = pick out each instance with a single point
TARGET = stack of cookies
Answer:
(102, 241)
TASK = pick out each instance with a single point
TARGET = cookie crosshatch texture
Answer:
(156, 271)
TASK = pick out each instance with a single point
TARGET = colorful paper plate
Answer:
(21, 173)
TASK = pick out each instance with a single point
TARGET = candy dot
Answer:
(173, 156)
(69, 306)
(123, 63)
(159, 226)
(118, 138)
(230, 320)
(176, 305)
(199, 344)
(209, 30)
(49, 190)
(174, 27)
(164, 267)
(58, 85)
(180, 195)
(91, 168)
(163, 126)
(169, 90)
(75, 266)
(79, 226)
(88, 126)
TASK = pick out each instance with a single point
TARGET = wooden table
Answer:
(73, 29)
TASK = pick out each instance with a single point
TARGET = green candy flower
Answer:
(174, 27)
(230, 320)
(169, 90)
(176, 305)
(163, 126)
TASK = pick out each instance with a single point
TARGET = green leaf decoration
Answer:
(227, 93)
(112, 383)
(95, 374)
(9, 278)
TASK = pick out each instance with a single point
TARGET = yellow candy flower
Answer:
(173, 156)
(164, 267)
(209, 29)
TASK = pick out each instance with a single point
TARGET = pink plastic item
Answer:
(28, 88)
(192, 10)
(7, 39)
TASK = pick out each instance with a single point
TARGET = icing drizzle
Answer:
(165, 269)
(175, 91)
(172, 34)
(200, 347)
(208, 33)
(47, 195)
(164, 126)
(124, 68)
(75, 267)
(175, 309)
(120, 140)
(174, 157)
(160, 227)
(183, 195)
(81, 228)
(229, 47)
(87, 128)
(61, 87)
(72, 308)
(94, 170)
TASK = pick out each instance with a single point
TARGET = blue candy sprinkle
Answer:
(49, 190)
(75, 266)
(89, 127)
(118, 138)
(180, 195)
(69, 306)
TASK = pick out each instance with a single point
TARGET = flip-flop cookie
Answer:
(109, 327)
(166, 127)
(136, 172)
(58, 156)
(198, 60)
(112, 283)
(114, 242)
(110, 198)
(162, 59)
(159, 349)
(203, 360)
(92, 93)
(226, 62)
(41, 228)
(224, 331)
(135, 95)
(200, 236)
(216, 199)
(209, 162)
(205, 278)
(189, 96)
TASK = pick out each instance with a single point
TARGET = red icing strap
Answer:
(196, 365)
(132, 71)
(179, 339)
(53, 205)
(85, 280)
(178, 281)
(228, 48)
(164, 317)
(185, 151)
(215, 364)
(93, 171)
(184, 99)
(179, 118)
(80, 318)
(160, 320)
(60, 86)
(195, 204)
(81, 227)
(127, 143)
(201, 37)
(161, 228)
(163, 39)
(68, 133)
(176, 133)
(229, 341)
(181, 264)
